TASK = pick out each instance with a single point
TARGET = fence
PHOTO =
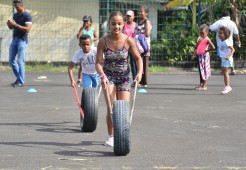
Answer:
(56, 23)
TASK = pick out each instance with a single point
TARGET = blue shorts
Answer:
(90, 80)
(227, 62)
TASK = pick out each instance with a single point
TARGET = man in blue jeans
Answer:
(21, 23)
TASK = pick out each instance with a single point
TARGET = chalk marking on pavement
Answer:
(124, 167)
(213, 127)
(156, 117)
(173, 167)
(244, 102)
(86, 165)
(165, 167)
(6, 155)
(177, 121)
(152, 107)
(40, 80)
(199, 167)
(236, 167)
(167, 101)
(73, 159)
(48, 167)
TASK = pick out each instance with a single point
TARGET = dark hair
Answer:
(87, 18)
(226, 13)
(18, 1)
(84, 37)
(226, 31)
(204, 27)
(116, 13)
(145, 8)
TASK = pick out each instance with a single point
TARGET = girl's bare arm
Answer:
(210, 46)
(95, 36)
(147, 28)
(231, 53)
(98, 64)
(70, 73)
(80, 32)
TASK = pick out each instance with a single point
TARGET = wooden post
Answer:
(194, 13)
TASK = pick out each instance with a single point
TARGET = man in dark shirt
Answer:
(21, 23)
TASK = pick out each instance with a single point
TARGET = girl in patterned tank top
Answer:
(115, 72)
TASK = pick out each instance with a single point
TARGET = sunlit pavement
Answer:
(173, 127)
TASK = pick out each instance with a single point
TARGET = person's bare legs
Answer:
(232, 68)
(226, 76)
(112, 94)
(227, 88)
(204, 84)
(121, 95)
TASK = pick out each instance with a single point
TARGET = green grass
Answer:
(157, 69)
(52, 68)
(46, 68)
(41, 68)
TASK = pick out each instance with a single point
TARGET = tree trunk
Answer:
(235, 6)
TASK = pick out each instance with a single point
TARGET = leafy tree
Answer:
(177, 37)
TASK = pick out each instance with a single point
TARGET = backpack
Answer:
(142, 43)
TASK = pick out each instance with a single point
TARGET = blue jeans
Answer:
(90, 80)
(17, 48)
(133, 66)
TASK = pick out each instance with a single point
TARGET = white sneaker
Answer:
(226, 90)
(110, 141)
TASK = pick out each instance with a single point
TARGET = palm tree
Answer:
(177, 3)
(234, 6)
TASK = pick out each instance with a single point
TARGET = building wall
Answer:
(55, 25)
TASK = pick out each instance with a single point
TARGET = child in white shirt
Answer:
(226, 52)
(87, 57)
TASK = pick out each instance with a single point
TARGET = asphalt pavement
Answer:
(173, 127)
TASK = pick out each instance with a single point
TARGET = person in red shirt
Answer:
(204, 45)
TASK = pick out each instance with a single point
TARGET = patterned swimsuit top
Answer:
(140, 28)
(116, 60)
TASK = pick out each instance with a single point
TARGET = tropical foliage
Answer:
(176, 36)
(177, 3)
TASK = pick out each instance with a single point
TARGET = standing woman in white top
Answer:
(144, 27)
